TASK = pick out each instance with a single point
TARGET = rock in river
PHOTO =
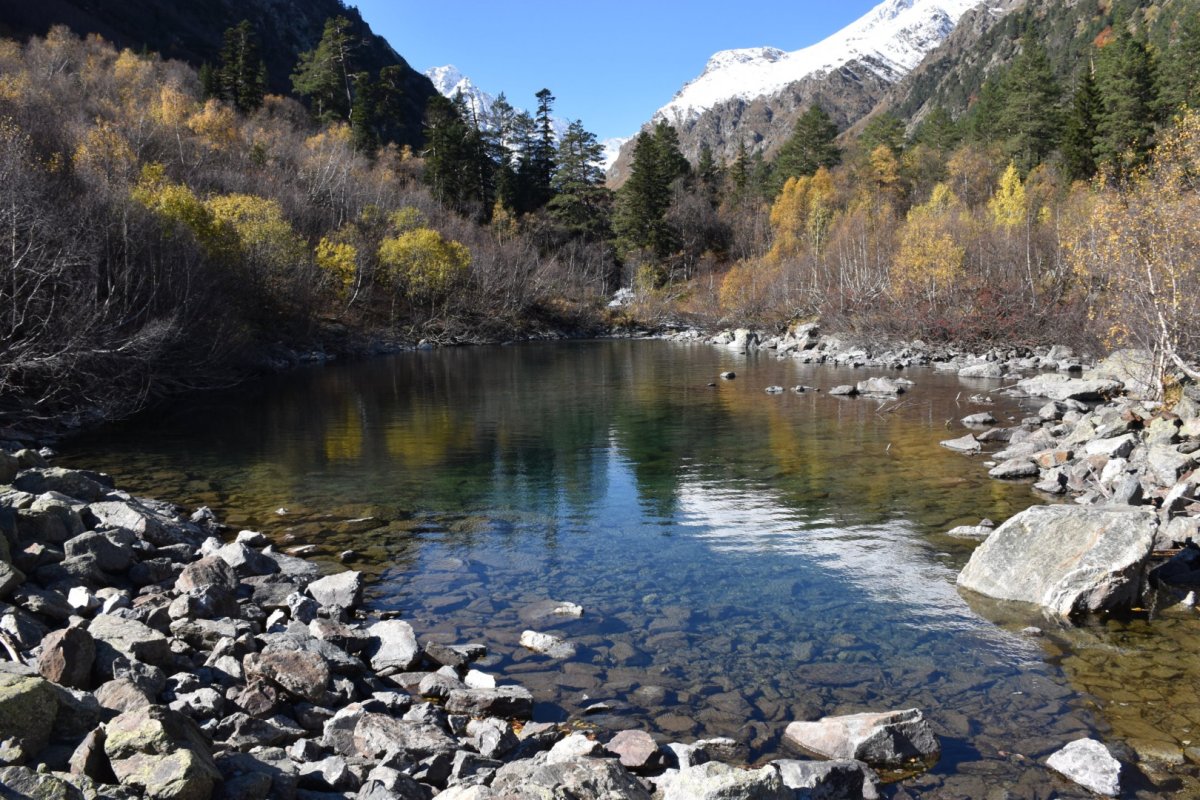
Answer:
(892, 738)
(547, 644)
(1088, 763)
(1067, 559)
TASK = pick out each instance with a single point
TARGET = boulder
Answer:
(11, 579)
(67, 657)
(343, 589)
(581, 778)
(1089, 764)
(302, 673)
(889, 739)
(1056, 386)
(161, 754)
(75, 484)
(717, 781)
(829, 780)
(985, 369)
(28, 706)
(547, 644)
(210, 571)
(123, 694)
(510, 702)
(377, 734)
(116, 636)
(245, 561)
(1067, 559)
(1015, 469)
(844, 390)
(965, 444)
(393, 647)
(1133, 368)
(22, 782)
(979, 420)
(880, 387)
(636, 750)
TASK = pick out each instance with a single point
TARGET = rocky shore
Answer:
(151, 654)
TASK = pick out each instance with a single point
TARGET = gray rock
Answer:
(844, 390)
(343, 589)
(575, 746)
(28, 706)
(111, 554)
(1060, 387)
(492, 738)
(161, 754)
(11, 579)
(377, 734)
(965, 444)
(986, 369)
(509, 702)
(1067, 559)
(893, 738)
(547, 644)
(246, 561)
(302, 673)
(118, 636)
(1133, 368)
(717, 781)
(22, 783)
(122, 694)
(578, 778)
(1015, 469)
(394, 647)
(979, 420)
(90, 760)
(881, 387)
(1089, 764)
(829, 780)
(636, 750)
(210, 571)
(77, 484)
(1116, 447)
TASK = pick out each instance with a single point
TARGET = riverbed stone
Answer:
(1057, 386)
(1015, 469)
(1088, 763)
(161, 754)
(985, 369)
(982, 419)
(509, 702)
(717, 781)
(636, 750)
(1066, 559)
(116, 636)
(22, 782)
(892, 738)
(410, 741)
(591, 778)
(547, 644)
(302, 673)
(28, 706)
(343, 589)
(76, 484)
(67, 657)
(880, 387)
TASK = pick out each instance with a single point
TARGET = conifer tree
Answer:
(887, 130)
(813, 144)
(242, 78)
(323, 74)
(938, 131)
(644, 199)
(448, 153)
(1079, 130)
(581, 202)
(537, 161)
(209, 87)
(1125, 83)
(1181, 64)
(362, 115)
(1029, 117)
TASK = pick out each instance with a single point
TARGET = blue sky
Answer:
(610, 64)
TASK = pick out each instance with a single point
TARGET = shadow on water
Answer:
(744, 559)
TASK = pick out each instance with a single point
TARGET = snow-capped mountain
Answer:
(890, 40)
(450, 82)
(752, 97)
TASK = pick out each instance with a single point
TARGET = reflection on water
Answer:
(745, 559)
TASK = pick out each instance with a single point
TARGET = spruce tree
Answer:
(209, 87)
(537, 162)
(448, 154)
(886, 130)
(1181, 64)
(242, 78)
(1125, 83)
(938, 131)
(362, 115)
(1079, 130)
(812, 145)
(643, 201)
(323, 74)
(1029, 117)
(581, 202)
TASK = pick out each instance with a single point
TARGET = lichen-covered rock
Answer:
(22, 782)
(160, 753)
(28, 706)
(1067, 559)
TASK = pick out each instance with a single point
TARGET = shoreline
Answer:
(174, 543)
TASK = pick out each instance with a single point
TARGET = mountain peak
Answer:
(891, 40)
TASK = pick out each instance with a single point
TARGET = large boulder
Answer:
(161, 754)
(393, 646)
(1057, 386)
(889, 739)
(880, 387)
(984, 369)
(1133, 368)
(118, 636)
(67, 656)
(717, 781)
(28, 706)
(302, 673)
(75, 484)
(343, 589)
(513, 702)
(1065, 558)
(22, 782)
(376, 734)
(580, 778)
(1088, 763)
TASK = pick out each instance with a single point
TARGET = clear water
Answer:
(744, 559)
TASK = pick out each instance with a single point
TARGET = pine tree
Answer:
(643, 201)
(1029, 118)
(983, 116)
(1079, 130)
(708, 172)
(1125, 83)
(537, 162)
(362, 115)
(448, 154)
(1181, 64)
(323, 74)
(581, 202)
(813, 144)
(938, 131)
(887, 130)
(739, 171)
(242, 78)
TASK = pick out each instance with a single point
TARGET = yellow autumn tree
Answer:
(338, 260)
(929, 261)
(424, 262)
(1009, 206)
(800, 216)
(178, 206)
(266, 243)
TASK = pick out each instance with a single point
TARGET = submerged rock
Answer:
(547, 644)
(893, 738)
(965, 444)
(1089, 764)
(1067, 559)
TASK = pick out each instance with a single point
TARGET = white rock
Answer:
(547, 644)
(479, 680)
(1088, 763)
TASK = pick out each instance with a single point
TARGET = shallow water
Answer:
(744, 559)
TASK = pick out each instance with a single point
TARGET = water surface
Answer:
(745, 559)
